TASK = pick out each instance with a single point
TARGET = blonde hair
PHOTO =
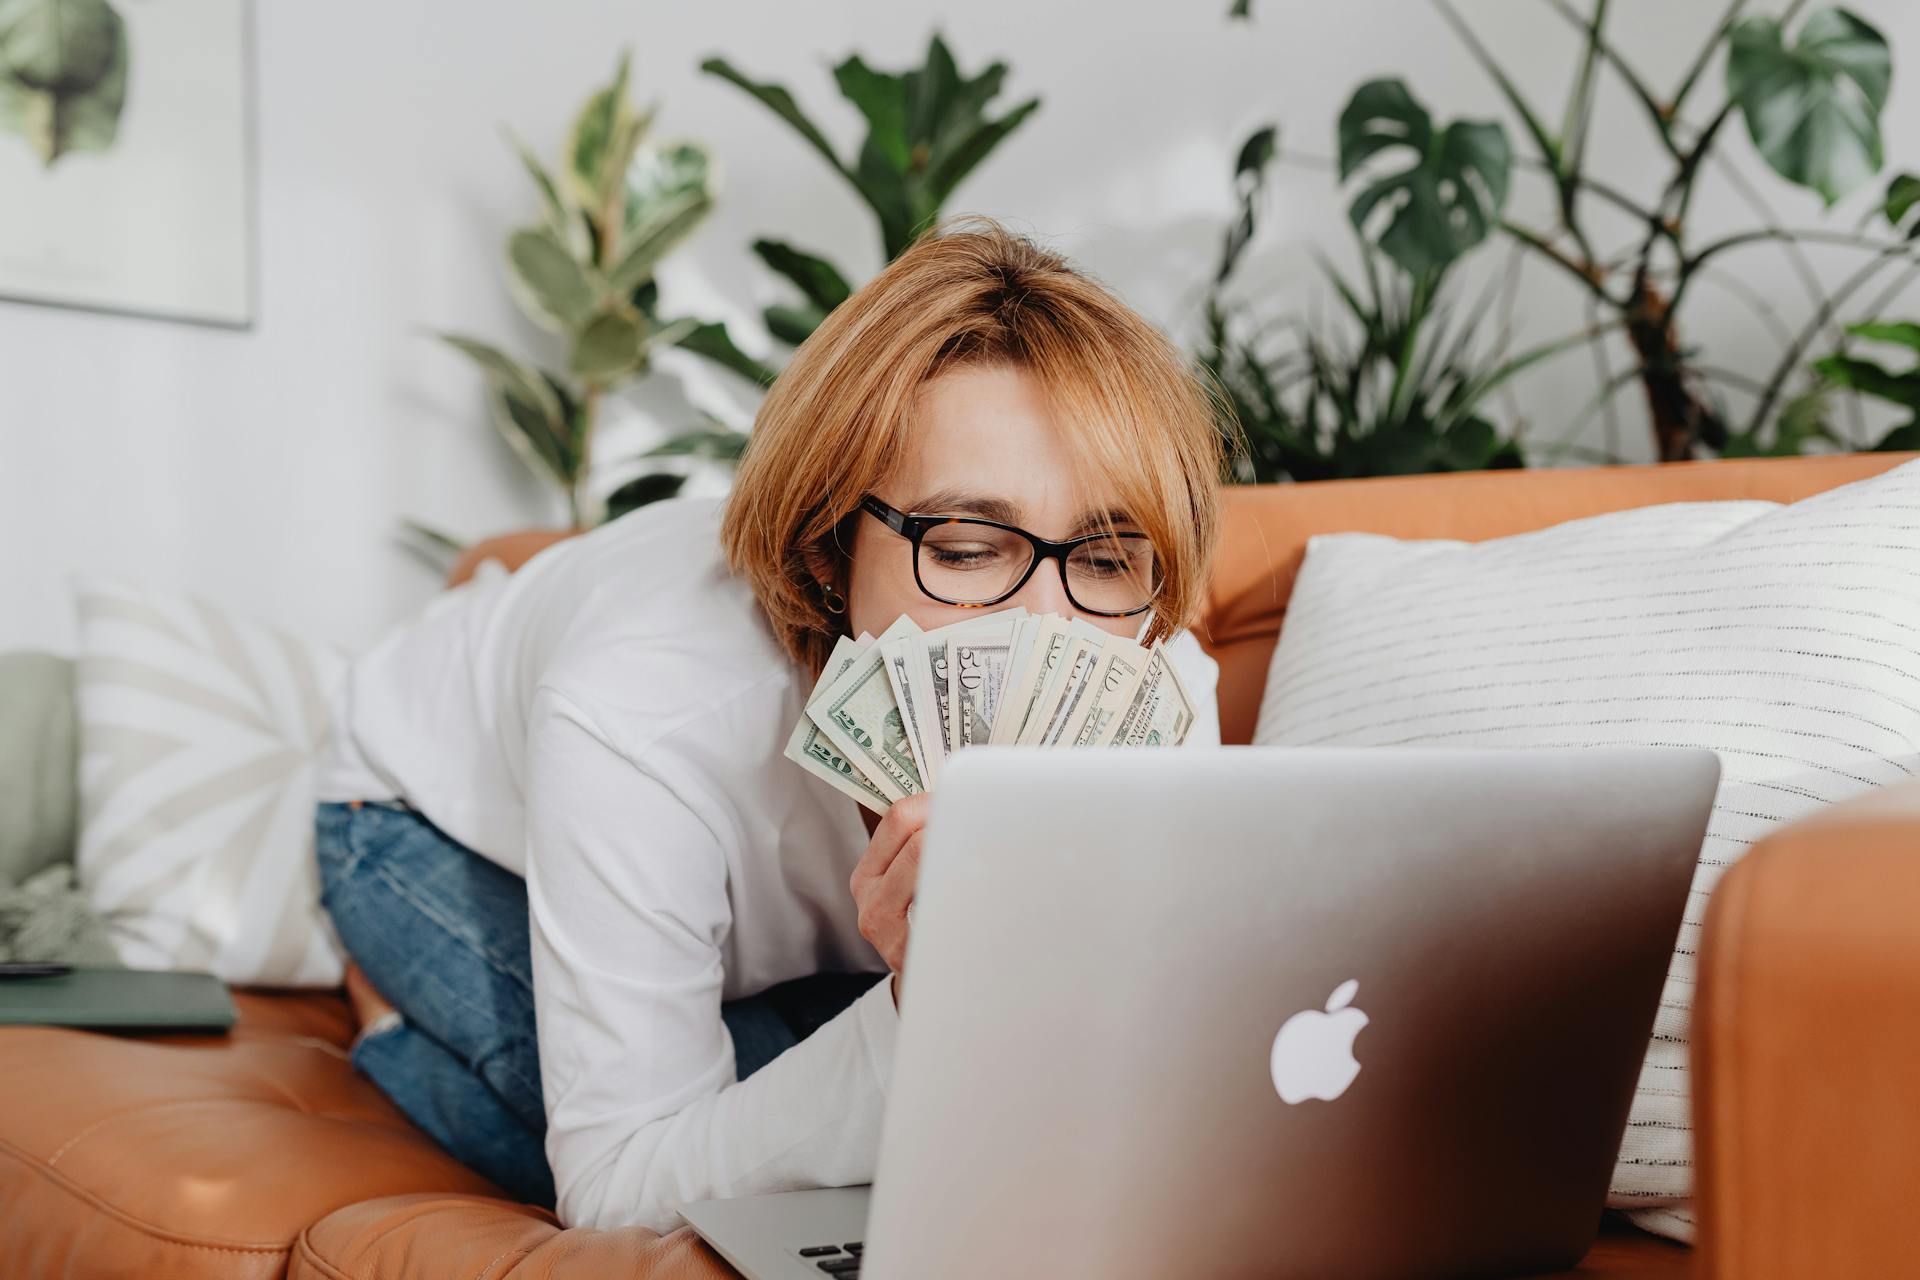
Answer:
(1136, 413)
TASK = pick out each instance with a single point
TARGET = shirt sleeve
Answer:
(627, 894)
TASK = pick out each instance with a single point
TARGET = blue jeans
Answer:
(442, 933)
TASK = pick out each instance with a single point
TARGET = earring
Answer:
(834, 601)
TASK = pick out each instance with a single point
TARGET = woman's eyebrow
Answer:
(959, 502)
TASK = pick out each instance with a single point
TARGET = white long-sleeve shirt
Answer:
(608, 722)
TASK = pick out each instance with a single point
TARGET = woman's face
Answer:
(981, 434)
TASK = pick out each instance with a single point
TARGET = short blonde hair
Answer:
(1139, 417)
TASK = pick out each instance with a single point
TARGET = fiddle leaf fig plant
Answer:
(63, 74)
(928, 128)
(615, 206)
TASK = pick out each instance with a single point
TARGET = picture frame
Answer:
(127, 158)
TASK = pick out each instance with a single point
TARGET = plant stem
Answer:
(1659, 116)
(1699, 65)
(583, 454)
(1851, 285)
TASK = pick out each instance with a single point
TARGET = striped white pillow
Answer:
(1785, 638)
(198, 734)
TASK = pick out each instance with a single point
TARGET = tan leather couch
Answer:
(262, 1154)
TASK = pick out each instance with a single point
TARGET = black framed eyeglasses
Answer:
(973, 562)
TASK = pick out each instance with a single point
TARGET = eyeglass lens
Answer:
(977, 563)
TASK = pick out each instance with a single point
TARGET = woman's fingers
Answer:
(895, 890)
(902, 820)
(883, 903)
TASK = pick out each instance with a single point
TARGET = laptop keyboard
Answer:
(841, 1261)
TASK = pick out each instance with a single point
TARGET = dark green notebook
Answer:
(118, 1000)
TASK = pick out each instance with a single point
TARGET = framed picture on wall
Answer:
(126, 157)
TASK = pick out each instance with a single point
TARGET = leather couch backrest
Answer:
(1265, 530)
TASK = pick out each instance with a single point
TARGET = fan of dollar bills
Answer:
(886, 713)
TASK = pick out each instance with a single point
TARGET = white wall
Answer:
(267, 469)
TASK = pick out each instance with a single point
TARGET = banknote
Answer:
(809, 746)
(1115, 676)
(1158, 714)
(976, 670)
(915, 704)
(858, 714)
(887, 711)
(1043, 641)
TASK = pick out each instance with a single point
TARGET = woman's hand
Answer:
(883, 882)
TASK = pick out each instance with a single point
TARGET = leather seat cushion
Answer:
(196, 1155)
(426, 1237)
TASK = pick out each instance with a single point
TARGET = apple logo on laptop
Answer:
(1313, 1054)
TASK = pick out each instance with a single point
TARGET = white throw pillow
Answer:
(1784, 637)
(198, 735)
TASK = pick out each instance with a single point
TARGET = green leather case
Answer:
(118, 1000)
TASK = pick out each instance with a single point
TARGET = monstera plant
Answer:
(615, 205)
(927, 129)
(1400, 379)
(63, 74)
(1809, 90)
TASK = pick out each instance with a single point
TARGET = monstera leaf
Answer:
(1903, 194)
(63, 74)
(1813, 109)
(1450, 195)
(1897, 387)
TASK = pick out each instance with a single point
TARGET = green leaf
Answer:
(1813, 110)
(1241, 9)
(651, 238)
(662, 181)
(520, 379)
(1902, 194)
(545, 446)
(720, 443)
(610, 346)
(818, 280)
(953, 167)
(641, 491)
(1904, 333)
(1870, 379)
(926, 131)
(1902, 439)
(781, 103)
(603, 123)
(562, 216)
(1249, 178)
(792, 325)
(555, 289)
(882, 98)
(1446, 201)
(63, 74)
(711, 339)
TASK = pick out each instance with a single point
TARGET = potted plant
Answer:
(615, 205)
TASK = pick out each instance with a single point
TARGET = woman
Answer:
(559, 798)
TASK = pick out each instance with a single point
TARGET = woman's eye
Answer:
(961, 557)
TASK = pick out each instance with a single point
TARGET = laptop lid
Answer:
(1092, 1077)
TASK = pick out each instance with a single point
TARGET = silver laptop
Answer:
(1261, 1012)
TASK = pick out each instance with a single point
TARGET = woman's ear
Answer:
(821, 566)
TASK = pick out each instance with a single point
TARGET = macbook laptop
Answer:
(1268, 1012)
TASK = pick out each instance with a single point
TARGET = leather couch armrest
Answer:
(462, 1237)
(1806, 1040)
